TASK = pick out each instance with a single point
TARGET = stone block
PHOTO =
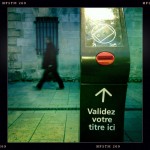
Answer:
(29, 56)
(30, 19)
(64, 18)
(74, 18)
(23, 17)
(14, 17)
(26, 42)
(63, 50)
(14, 49)
(69, 46)
(70, 10)
(29, 74)
(71, 70)
(28, 49)
(14, 65)
(69, 34)
(31, 36)
(11, 9)
(19, 25)
(14, 33)
(45, 12)
(29, 33)
(30, 15)
(12, 57)
(24, 10)
(28, 25)
(11, 24)
(63, 60)
(14, 76)
(65, 26)
(12, 40)
(74, 46)
(30, 65)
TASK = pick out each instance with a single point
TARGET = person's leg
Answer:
(43, 79)
(58, 79)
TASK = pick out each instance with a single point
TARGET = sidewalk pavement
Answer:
(52, 115)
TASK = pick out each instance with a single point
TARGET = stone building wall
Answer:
(25, 65)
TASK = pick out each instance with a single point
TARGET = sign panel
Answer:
(102, 112)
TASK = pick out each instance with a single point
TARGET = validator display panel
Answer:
(102, 27)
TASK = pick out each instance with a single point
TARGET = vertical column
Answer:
(40, 37)
(57, 36)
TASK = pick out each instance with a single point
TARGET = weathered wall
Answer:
(22, 60)
(24, 64)
(134, 24)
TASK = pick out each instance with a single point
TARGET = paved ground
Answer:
(52, 115)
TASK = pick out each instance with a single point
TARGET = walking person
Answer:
(50, 65)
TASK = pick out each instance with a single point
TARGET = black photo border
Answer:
(145, 4)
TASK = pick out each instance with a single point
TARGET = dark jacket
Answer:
(49, 56)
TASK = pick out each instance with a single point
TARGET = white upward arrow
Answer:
(103, 94)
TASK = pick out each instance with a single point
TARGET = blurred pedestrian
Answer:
(50, 65)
